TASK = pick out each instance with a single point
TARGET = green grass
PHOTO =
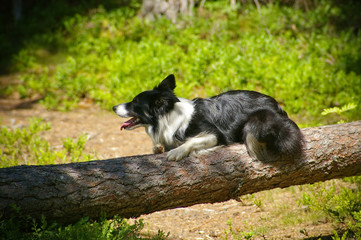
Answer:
(26, 146)
(232, 233)
(300, 58)
(24, 228)
(342, 204)
(301, 208)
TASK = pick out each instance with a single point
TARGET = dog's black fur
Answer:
(182, 126)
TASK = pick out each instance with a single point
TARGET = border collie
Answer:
(183, 127)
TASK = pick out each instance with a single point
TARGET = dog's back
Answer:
(252, 118)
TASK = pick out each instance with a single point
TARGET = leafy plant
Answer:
(237, 233)
(26, 146)
(337, 237)
(257, 201)
(74, 149)
(339, 111)
(295, 56)
(24, 227)
(343, 205)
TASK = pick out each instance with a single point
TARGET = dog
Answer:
(182, 127)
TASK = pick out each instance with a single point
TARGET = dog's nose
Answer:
(114, 108)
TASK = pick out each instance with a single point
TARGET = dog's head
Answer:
(146, 108)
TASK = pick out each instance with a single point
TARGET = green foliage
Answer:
(26, 146)
(342, 205)
(337, 237)
(299, 57)
(24, 228)
(238, 234)
(74, 149)
(339, 111)
(257, 202)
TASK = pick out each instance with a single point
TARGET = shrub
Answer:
(342, 204)
(296, 56)
(26, 146)
(22, 227)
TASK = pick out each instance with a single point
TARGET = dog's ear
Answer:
(168, 83)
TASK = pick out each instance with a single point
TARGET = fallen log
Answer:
(131, 186)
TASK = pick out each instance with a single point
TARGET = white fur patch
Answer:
(121, 111)
(197, 143)
(256, 149)
(175, 122)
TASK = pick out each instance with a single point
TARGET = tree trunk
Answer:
(131, 186)
(152, 9)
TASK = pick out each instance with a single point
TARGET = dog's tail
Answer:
(272, 137)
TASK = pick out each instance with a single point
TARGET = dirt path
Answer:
(262, 213)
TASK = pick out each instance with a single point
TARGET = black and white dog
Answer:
(183, 127)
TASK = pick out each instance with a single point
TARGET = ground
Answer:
(272, 214)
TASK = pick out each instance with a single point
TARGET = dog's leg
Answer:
(199, 142)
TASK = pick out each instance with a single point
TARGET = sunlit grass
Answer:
(26, 146)
(280, 52)
(284, 209)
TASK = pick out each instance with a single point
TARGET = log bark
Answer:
(131, 186)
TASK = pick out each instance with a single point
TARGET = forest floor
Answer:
(273, 214)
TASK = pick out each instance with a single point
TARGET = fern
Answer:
(338, 110)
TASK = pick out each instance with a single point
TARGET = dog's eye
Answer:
(158, 102)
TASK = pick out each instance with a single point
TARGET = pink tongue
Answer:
(128, 123)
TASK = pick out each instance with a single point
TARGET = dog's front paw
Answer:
(158, 148)
(177, 154)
